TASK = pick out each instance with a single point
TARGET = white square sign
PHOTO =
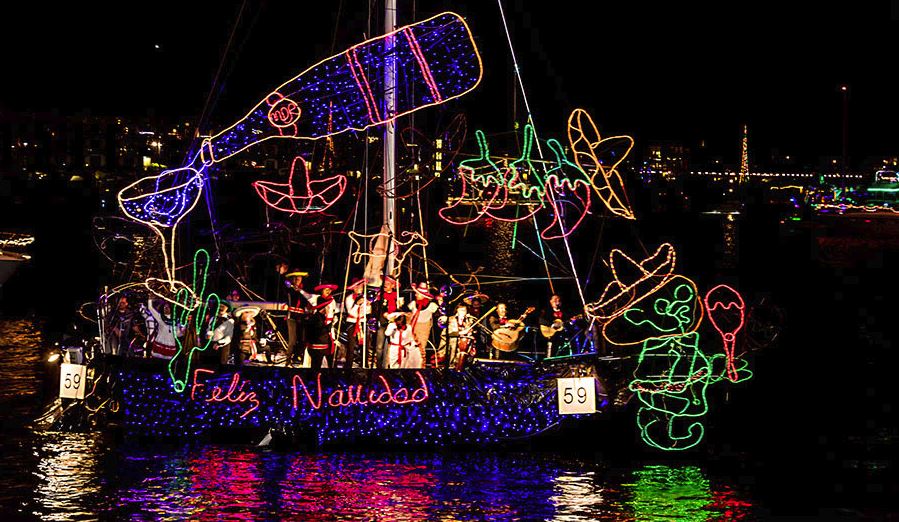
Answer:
(577, 395)
(72, 381)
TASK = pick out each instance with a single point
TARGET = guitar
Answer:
(505, 339)
(558, 325)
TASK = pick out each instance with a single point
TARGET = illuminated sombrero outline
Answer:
(618, 296)
(301, 195)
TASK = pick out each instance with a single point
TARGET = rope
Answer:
(540, 152)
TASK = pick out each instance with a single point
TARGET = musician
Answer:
(124, 326)
(249, 339)
(320, 341)
(474, 302)
(456, 343)
(221, 331)
(386, 303)
(554, 325)
(298, 303)
(422, 308)
(402, 349)
(499, 320)
(355, 306)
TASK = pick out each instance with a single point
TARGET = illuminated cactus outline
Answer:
(190, 311)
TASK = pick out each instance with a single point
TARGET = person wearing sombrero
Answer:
(355, 307)
(386, 303)
(320, 340)
(402, 349)
(249, 340)
(221, 331)
(555, 327)
(456, 343)
(298, 302)
(423, 308)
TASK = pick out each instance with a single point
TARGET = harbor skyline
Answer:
(693, 75)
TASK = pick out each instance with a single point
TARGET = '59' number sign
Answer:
(577, 395)
(71, 381)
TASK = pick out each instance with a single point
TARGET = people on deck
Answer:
(475, 304)
(249, 339)
(402, 348)
(320, 342)
(457, 342)
(554, 327)
(387, 302)
(298, 305)
(221, 333)
(124, 331)
(423, 308)
(355, 307)
(162, 330)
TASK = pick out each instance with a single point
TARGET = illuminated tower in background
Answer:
(744, 156)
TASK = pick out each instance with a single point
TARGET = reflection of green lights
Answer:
(883, 189)
(666, 493)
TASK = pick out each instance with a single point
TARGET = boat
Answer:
(638, 342)
(12, 255)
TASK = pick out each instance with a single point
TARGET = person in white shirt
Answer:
(423, 309)
(355, 307)
(163, 331)
(223, 333)
(402, 350)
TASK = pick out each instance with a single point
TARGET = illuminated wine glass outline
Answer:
(151, 206)
(718, 305)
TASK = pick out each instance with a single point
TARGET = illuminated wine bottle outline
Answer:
(436, 57)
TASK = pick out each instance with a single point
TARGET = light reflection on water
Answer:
(71, 476)
(79, 479)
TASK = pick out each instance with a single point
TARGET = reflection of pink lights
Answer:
(722, 308)
(301, 195)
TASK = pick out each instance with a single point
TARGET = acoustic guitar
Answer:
(506, 339)
(558, 325)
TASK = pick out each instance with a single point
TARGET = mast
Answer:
(390, 130)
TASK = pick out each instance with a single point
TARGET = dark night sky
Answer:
(658, 71)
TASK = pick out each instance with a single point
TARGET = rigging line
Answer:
(219, 71)
(336, 25)
(527, 106)
(346, 274)
(421, 227)
(602, 228)
(531, 121)
(557, 264)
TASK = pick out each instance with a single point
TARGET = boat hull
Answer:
(489, 402)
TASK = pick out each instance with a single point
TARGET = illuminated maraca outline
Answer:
(725, 303)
